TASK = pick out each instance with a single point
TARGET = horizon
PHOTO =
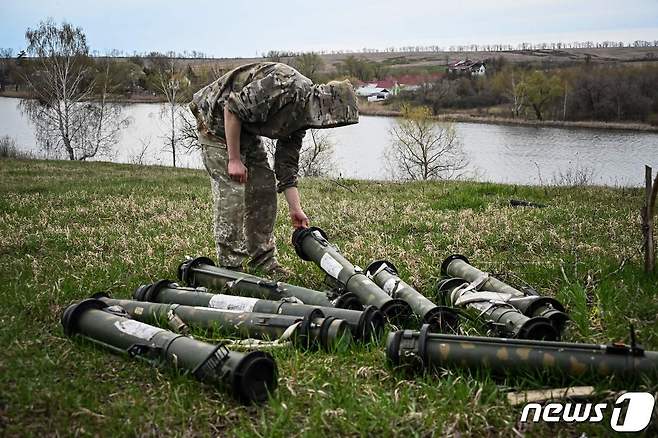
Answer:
(472, 22)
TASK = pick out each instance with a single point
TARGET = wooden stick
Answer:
(651, 190)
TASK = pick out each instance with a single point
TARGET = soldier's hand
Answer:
(299, 219)
(237, 171)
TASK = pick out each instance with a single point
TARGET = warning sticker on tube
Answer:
(137, 329)
(230, 302)
(330, 265)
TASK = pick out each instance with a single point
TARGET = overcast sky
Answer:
(250, 28)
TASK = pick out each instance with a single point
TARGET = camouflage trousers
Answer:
(244, 213)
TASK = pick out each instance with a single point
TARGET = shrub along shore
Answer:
(70, 229)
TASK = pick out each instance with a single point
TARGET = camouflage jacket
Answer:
(276, 101)
(270, 100)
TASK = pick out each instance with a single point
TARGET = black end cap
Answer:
(149, 292)
(442, 319)
(450, 258)
(396, 311)
(184, 268)
(300, 234)
(254, 378)
(323, 336)
(371, 324)
(73, 312)
(393, 347)
(558, 319)
(538, 328)
(444, 286)
(305, 337)
(374, 267)
(348, 301)
(422, 342)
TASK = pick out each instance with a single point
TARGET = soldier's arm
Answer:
(286, 168)
(297, 215)
(237, 171)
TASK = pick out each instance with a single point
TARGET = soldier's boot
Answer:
(275, 271)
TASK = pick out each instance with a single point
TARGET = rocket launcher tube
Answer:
(201, 271)
(506, 319)
(364, 324)
(250, 376)
(457, 265)
(247, 324)
(508, 356)
(312, 244)
(385, 275)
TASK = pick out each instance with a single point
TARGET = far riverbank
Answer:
(370, 109)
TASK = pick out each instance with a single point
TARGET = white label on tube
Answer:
(330, 265)
(137, 329)
(230, 302)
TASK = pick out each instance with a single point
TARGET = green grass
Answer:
(68, 230)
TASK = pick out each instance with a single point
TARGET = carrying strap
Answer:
(469, 293)
(283, 341)
(478, 282)
(391, 291)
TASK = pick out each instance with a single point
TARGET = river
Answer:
(496, 153)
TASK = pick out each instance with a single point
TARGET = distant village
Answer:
(381, 90)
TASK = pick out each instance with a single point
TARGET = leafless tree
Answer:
(170, 82)
(315, 156)
(423, 149)
(65, 116)
(188, 134)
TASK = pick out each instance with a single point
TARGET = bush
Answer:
(8, 149)
(652, 119)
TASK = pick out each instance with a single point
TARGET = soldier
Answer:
(261, 99)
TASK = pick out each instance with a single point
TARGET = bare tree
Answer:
(315, 156)
(188, 133)
(63, 84)
(423, 149)
(171, 82)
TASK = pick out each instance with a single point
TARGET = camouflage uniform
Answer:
(272, 100)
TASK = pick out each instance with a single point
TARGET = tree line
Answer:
(621, 92)
(482, 47)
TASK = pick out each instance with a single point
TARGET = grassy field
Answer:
(68, 230)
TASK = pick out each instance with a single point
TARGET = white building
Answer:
(373, 93)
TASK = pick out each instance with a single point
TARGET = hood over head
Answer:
(332, 104)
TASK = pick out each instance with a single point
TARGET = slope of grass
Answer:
(68, 230)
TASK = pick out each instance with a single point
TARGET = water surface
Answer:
(497, 153)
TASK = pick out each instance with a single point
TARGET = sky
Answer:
(250, 28)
